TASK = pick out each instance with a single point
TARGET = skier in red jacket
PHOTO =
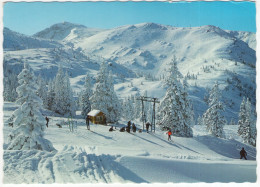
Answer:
(169, 134)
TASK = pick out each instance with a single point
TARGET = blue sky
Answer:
(29, 18)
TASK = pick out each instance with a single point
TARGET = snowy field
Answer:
(100, 156)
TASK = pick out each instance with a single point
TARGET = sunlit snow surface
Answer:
(100, 156)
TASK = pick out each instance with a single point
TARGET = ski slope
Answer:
(100, 156)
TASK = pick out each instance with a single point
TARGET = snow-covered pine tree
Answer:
(199, 120)
(59, 91)
(242, 117)
(115, 108)
(128, 109)
(212, 118)
(69, 104)
(64, 103)
(248, 129)
(42, 90)
(172, 108)
(10, 85)
(50, 96)
(188, 112)
(104, 97)
(85, 97)
(138, 107)
(29, 124)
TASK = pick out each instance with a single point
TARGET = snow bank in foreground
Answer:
(75, 165)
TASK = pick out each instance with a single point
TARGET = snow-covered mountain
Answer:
(139, 56)
(15, 41)
(67, 31)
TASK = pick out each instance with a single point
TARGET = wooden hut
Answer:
(97, 117)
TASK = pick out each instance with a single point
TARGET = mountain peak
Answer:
(151, 25)
(58, 31)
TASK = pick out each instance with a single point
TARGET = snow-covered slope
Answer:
(99, 156)
(16, 41)
(150, 46)
(66, 31)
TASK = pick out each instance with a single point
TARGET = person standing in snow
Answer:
(169, 135)
(134, 127)
(87, 123)
(243, 153)
(47, 119)
(129, 125)
(147, 126)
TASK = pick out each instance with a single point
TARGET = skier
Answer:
(87, 122)
(243, 153)
(47, 119)
(134, 127)
(169, 134)
(111, 129)
(147, 126)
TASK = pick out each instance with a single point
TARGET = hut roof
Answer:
(94, 112)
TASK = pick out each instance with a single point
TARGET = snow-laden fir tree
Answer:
(42, 90)
(64, 102)
(29, 124)
(10, 85)
(138, 107)
(149, 112)
(247, 130)
(242, 117)
(104, 97)
(187, 110)
(199, 120)
(128, 109)
(50, 96)
(172, 109)
(213, 117)
(85, 97)
(115, 108)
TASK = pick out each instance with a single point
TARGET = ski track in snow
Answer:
(70, 165)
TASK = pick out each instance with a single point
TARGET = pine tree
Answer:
(50, 96)
(69, 104)
(64, 102)
(242, 117)
(29, 124)
(85, 97)
(138, 107)
(173, 108)
(212, 118)
(199, 120)
(42, 90)
(128, 109)
(247, 130)
(187, 108)
(10, 85)
(104, 97)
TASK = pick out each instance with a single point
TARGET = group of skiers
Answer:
(128, 127)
